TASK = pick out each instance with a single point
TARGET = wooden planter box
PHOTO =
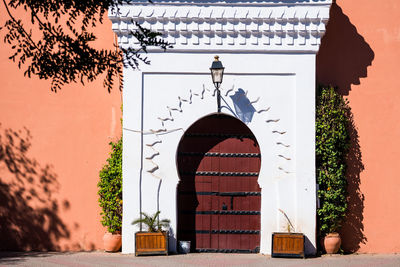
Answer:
(288, 245)
(147, 243)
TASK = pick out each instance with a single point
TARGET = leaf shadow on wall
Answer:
(352, 230)
(343, 59)
(29, 209)
(344, 55)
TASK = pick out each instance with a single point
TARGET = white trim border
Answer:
(261, 26)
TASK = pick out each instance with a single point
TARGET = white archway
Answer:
(269, 55)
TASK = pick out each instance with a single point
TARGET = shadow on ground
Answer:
(15, 258)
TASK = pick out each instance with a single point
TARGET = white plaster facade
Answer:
(268, 49)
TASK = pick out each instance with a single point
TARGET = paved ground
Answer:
(220, 260)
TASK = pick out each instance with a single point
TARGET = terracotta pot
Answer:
(112, 242)
(332, 243)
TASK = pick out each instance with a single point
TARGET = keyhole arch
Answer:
(218, 161)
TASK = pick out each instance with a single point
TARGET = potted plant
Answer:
(154, 240)
(287, 244)
(332, 146)
(110, 197)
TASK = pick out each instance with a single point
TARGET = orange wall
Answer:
(48, 190)
(69, 131)
(361, 54)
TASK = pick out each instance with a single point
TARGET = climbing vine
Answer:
(332, 146)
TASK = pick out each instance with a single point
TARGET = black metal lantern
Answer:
(217, 74)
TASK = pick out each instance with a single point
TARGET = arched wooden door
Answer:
(219, 199)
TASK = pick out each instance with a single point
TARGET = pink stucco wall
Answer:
(53, 144)
(52, 148)
(361, 54)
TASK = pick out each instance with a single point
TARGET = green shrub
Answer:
(332, 146)
(110, 189)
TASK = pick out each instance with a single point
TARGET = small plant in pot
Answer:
(332, 146)
(110, 197)
(155, 239)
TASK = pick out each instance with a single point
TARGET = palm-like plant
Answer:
(152, 222)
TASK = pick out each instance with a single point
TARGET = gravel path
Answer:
(32, 259)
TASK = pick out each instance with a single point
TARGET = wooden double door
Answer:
(219, 199)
